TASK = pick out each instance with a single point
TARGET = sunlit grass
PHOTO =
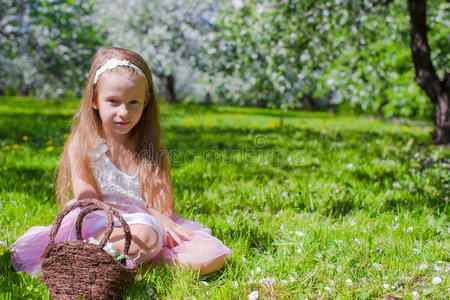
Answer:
(311, 204)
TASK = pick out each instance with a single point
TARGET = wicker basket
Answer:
(74, 269)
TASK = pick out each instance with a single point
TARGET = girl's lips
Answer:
(122, 123)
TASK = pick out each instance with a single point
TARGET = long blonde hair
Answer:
(149, 151)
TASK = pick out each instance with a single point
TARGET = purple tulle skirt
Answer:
(203, 248)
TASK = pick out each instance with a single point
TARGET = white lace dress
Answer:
(124, 193)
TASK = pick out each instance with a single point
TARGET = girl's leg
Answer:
(196, 256)
(143, 237)
(211, 266)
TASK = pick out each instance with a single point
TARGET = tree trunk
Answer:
(207, 100)
(309, 102)
(168, 85)
(438, 91)
(262, 102)
(382, 104)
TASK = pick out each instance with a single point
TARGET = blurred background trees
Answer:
(46, 46)
(346, 56)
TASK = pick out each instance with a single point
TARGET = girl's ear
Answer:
(94, 104)
(147, 99)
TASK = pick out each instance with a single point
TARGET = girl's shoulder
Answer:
(99, 149)
(94, 149)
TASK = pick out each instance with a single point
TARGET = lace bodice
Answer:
(115, 186)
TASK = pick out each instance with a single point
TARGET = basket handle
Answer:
(89, 206)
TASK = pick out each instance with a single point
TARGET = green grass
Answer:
(311, 204)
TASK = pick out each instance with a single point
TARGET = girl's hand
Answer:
(176, 233)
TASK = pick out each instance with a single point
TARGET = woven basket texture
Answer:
(79, 269)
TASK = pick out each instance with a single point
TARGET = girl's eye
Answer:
(134, 102)
(113, 101)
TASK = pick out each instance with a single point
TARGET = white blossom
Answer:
(396, 185)
(436, 280)
(253, 295)
(204, 283)
(377, 266)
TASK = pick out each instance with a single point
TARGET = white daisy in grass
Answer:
(437, 267)
(253, 295)
(436, 280)
(204, 283)
(267, 281)
(349, 282)
(377, 266)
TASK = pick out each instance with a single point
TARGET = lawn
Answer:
(311, 204)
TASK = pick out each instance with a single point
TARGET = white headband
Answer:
(114, 63)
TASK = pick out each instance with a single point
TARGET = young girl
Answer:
(114, 153)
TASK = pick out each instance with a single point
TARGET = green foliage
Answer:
(347, 53)
(54, 42)
(353, 55)
(321, 206)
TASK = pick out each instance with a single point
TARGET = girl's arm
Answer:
(175, 232)
(81, 186)
(170, 200)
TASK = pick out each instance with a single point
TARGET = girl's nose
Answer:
(123, 111)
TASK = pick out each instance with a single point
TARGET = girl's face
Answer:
(121, 99)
